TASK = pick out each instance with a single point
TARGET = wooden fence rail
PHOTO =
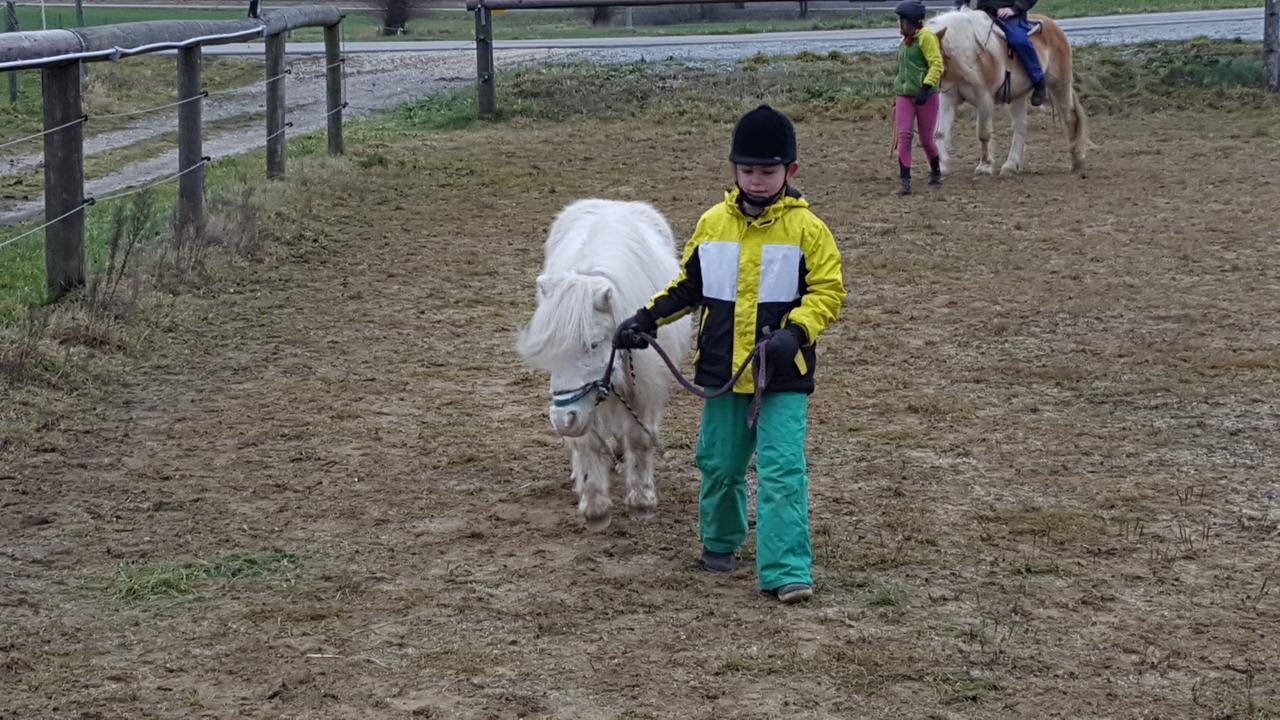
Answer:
(60, 54)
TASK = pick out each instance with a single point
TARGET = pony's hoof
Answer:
(983, 170)
(598, 523)
(1008, 171)
(1077, 169)
(642, 506)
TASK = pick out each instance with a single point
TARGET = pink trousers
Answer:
(926, 116)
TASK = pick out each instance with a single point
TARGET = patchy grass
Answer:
(183, 581)
(30, 183)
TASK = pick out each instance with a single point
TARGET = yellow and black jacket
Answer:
(747, 274)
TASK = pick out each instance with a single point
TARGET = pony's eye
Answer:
(595, 345)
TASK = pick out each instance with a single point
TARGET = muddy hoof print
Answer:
(644, 514)
(598, 522)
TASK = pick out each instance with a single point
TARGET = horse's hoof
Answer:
(598, 523)
(1008, 171)
(983, 170)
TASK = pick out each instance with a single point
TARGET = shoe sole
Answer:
(795, 596)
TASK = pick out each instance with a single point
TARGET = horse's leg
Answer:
(1075, 121)
(986, 108)
(1018, 111)
(642, 495)
(942, 133)
(593, 501)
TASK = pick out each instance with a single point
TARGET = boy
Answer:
(760, 266)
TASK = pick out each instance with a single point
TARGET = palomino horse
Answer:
(977, 65)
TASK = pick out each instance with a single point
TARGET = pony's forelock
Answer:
(563, 322)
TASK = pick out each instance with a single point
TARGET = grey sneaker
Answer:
(792, 593)
(721, 562)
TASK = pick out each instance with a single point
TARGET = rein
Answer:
(603, 388)
(755, 360)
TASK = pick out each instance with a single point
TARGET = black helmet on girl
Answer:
(911, 10)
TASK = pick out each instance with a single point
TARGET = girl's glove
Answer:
(628, 335)
(783, 345)
(922, 97)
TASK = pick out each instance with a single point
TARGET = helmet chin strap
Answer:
(759, 202)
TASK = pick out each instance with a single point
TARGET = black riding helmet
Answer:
(763, 136)
(912, 10)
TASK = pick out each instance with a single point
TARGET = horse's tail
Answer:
(1077, 134)
(1065, 99)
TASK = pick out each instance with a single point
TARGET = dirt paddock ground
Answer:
(1042, 455)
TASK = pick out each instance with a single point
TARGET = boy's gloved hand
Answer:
(628, 335)
(922, 97)
(782, 345)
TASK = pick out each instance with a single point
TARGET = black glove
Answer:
(628, 335)
(782, 345)
(922, 97)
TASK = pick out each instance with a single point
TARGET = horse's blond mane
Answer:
(968, 33)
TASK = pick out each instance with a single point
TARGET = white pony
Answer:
(977, 63)
(604, 259)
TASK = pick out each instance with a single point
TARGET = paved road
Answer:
(1111, 29)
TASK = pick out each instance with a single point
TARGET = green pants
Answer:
(725, 446)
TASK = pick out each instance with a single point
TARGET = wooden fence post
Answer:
(190, 144)
(11, 25)
(333, 86)
(1271, 44)
(275, 106)
(63, 180)
(484, 62)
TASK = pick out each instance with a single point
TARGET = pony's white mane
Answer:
(596, 246)
(562, 322)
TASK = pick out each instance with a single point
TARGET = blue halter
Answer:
(602, 387)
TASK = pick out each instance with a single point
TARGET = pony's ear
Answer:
(602, 296)
(941, 33)
(544, 286)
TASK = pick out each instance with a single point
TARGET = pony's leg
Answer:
(576, 469)
(942, 133)
(593, 501)
(642, 495)
(986, 109)
(1018, 111)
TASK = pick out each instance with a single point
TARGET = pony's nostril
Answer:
(571, 418)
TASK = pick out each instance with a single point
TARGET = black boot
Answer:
(935, 173)
(904, 179)
(1037, 94)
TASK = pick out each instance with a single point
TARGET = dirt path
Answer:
(1042, 458)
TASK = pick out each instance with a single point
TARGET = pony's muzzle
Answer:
(567, 421)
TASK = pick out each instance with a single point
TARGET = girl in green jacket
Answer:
(919, 70)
